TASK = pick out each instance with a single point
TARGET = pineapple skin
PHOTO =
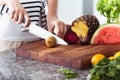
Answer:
(84, 27)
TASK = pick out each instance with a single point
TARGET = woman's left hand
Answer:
(57, 27)
(17, 12)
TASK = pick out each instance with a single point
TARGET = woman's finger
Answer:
(16, 15)
(20, 18)
(12, 12)
(27, 20)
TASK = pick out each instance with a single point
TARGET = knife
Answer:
(40, 32)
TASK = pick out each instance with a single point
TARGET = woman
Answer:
(32, 11)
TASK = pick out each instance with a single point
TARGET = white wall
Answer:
(69, 10)
(90, 7)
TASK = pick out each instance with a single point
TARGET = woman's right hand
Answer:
(17, 12)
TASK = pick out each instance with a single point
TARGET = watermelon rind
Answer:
(100, 28)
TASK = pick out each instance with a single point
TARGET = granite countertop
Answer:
(13, 67)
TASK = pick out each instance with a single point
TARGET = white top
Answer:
(12, 31)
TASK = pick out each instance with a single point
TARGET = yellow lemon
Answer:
(117, 54)
(111, 57)
(96, 58)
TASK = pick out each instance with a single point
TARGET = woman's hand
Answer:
(17, 12)
(56, 26)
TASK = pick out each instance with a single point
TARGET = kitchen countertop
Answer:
(13, 67)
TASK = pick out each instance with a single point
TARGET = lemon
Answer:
(96, 58)
(117, 54)
(111, 57)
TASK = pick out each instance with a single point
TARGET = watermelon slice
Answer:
(107, 34)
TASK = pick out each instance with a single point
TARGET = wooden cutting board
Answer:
(74, 56)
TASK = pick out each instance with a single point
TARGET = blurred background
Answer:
(69, 10)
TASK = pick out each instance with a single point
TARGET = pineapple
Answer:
(84, 27)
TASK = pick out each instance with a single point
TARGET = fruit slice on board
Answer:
(50, 42)
(107, 34)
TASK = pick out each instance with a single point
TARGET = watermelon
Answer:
(107, 34)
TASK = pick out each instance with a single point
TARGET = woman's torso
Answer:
(36, 12)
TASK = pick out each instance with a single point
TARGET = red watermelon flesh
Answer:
(107, 34)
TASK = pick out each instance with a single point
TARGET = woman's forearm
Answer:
(55, 25)
(52, 8)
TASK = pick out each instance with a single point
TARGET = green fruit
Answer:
(50, 42)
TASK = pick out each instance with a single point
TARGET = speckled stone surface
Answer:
(13, 67)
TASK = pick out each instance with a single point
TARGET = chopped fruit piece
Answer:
(50, 41)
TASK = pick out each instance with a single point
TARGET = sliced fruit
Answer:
(80, 30)
(50, 41)
(107, 34)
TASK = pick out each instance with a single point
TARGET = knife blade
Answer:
(40, 32)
